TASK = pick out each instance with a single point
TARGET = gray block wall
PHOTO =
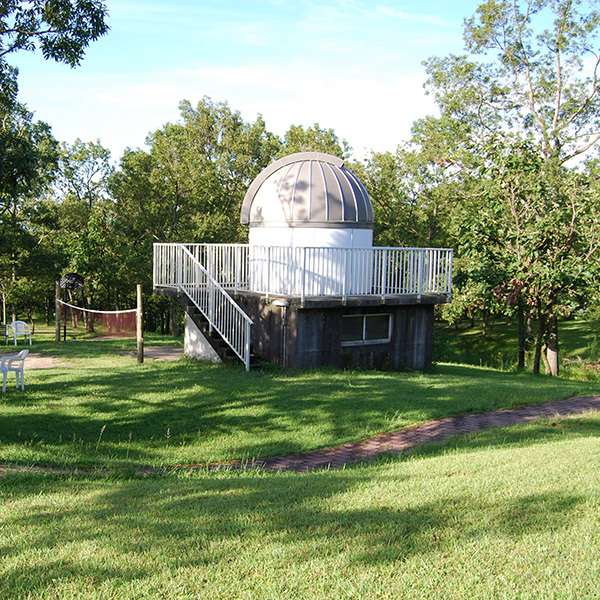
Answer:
(312, 336)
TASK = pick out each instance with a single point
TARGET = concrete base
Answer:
(311, 336)
(195, 345)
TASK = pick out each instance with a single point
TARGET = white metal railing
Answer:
(177, 266)
(320, 272)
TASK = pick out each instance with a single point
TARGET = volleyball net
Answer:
(101, 323)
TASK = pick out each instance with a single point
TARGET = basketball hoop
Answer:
(71, 281)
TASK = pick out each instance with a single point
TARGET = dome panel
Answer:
(334, 203)
(308, 189)
(302, 190)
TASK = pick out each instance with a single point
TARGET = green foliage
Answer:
(512, 116)
(314, 139)
(192, 182)
(27, 166)
(30, 260)
(62, 29)
(87, 236)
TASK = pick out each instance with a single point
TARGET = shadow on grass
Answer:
(214, 412)
(218, 521)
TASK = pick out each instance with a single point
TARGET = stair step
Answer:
(220, 346)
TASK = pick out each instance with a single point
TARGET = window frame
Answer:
(364, 341)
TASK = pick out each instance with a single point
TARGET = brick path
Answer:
(405, 439)
(394, 443)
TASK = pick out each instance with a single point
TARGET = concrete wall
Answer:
(195, 345)
(312, 336)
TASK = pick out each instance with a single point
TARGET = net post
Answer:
(138, 328)
(57, 309)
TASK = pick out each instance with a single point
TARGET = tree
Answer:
(314, 139)
(190, 186)
(86, 211)
(85, 172)
(530, 92)
(192, 182)
(27, 165)
(61, 29)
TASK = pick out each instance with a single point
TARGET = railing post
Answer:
(449, 274)
(420, 274)
(384, 260)
(179, 265)
(303, 291)
(238, 261)
(211, 304)
(345, 279)
(154, 266)
(268, 271)
(247, 345)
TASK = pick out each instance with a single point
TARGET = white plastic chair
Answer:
(13, 362)
(20, 328)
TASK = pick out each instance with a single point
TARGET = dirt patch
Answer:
(159, 352)
(163, 352)
(36, 360)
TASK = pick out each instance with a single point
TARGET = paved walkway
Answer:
(405, 439)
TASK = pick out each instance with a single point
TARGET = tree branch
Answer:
(527, 64)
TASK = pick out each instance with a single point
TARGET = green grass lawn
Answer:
(511, 514)
(507, 513)
(108, 411)
(577, 339)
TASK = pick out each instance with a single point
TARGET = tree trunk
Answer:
(173, 320)
(74, 320)
(30, 319)
(547, 370)
(14, 279)
(49, 306)
(89, 324)
(552, 347)
(539, 342)
(522, 335)
(485, 315)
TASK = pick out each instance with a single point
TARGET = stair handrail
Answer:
(185, 272)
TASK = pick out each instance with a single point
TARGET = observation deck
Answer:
(215, 276)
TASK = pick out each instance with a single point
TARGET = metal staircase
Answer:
(214, 339)
(176, 267)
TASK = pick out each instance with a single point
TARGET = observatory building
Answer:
(309, 289)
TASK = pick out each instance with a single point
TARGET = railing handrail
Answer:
(206, 286)
(325, 271)
(374, 248)
(218, 286)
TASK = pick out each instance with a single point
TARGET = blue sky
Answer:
(352, 65)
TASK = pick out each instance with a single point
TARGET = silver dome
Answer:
(308, 189)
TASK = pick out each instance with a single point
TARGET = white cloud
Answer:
(369, 113)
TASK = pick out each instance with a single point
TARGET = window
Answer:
(366, 329)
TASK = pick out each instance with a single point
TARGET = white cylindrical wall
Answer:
(311, 261)
(314, 237)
